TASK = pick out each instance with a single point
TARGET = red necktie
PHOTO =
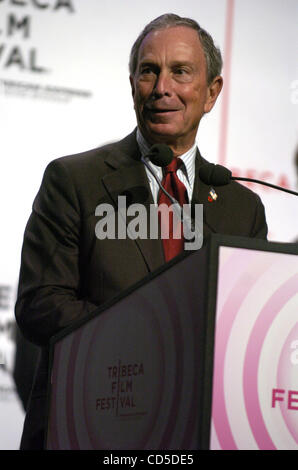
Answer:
(172, 246)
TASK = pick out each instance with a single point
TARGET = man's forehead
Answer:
(183, 41)
(172, 32)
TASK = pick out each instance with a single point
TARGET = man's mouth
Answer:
(161, 110)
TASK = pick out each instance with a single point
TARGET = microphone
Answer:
(219, 175)
(162, 155)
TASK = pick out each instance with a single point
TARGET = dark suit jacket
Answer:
(67, 272)
(25, 362)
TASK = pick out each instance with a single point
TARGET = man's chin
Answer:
(161, 133)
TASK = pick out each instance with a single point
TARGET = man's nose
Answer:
(163, 84)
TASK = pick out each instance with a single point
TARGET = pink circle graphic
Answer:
(287, 380)
(251, 364)
(237, 263)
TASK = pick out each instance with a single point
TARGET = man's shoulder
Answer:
(97, 156)
(238, 189)
(233, 190)
(84, 171)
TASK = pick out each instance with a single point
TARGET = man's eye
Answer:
(181, 71)
(146, 71)
(182, 74)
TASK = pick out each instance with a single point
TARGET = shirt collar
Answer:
(188, 157)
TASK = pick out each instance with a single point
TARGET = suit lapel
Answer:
(212, 211)
(129, 178)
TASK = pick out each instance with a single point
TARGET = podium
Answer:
(202, 354)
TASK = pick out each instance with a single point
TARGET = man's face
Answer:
(170, 88)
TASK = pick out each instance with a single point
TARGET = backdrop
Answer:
(64, 88)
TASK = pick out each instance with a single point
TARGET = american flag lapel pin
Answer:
(212, 196)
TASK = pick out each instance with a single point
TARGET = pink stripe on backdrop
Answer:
(226, 88)
(252, 357)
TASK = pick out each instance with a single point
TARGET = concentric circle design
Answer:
(254, 330)
(128, 378)
(287, 380)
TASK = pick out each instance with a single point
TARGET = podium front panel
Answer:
(255, 377)
(130, 377)
(202, 355)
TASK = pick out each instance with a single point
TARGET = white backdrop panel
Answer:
(64, 88)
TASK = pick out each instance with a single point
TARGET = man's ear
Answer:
(132, 85)
(213, 92)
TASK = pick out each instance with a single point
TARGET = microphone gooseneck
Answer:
(218, 175)
(162, 155)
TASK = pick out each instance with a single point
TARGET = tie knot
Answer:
(173, 166)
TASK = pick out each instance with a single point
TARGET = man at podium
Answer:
(66, 270)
